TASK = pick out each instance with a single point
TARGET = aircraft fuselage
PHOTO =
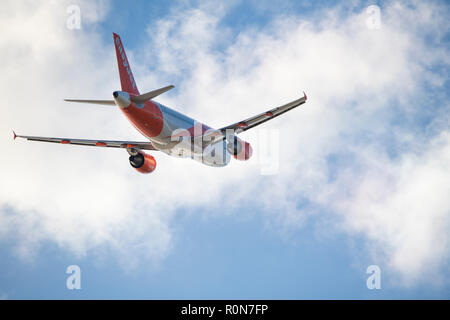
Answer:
(173, 132)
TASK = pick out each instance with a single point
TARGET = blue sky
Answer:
(363, 176)
(205, 264)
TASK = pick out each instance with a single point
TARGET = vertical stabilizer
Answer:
(126, 76)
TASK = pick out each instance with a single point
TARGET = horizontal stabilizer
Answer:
(150, 95)
(104, 102)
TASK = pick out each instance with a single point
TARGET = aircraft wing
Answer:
(94, 143)
(254, 121)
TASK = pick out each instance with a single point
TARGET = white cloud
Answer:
(359, 81)
(401, 206)
(76, 197)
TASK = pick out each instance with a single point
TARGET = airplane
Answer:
(167, 130)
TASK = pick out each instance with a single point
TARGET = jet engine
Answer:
(142, 162)
(239, 149)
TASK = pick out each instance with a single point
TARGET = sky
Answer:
(358, 176)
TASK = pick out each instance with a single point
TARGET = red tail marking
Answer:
(126, 76)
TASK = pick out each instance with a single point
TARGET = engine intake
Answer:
(142, 162)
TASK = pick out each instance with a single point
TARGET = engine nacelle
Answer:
(142, 162)
(239, 149)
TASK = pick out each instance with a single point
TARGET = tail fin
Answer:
(126, 76)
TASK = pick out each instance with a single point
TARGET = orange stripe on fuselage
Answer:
(147, 120)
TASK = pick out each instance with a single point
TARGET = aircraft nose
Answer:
(115, 94)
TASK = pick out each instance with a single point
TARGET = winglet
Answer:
(304, 96)
(15, 135)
